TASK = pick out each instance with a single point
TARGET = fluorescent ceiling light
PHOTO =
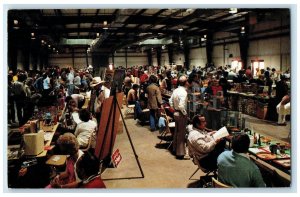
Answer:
(233, 10)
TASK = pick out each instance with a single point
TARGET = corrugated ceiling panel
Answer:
(86, 25)
(48, 12)
(84, 33)
(72, 34)
(69, 12)
(71, 26)
(131, 25)
(150, 12)
(88, 11)
(158, 26)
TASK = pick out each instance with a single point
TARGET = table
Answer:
(248, 103)
(49, 131)
(280, 160)
(276, 168)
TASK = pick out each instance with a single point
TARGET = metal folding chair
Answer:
(167, 129)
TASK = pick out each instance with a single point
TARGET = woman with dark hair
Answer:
(87, 169)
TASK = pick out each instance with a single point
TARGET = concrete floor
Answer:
(161, 169)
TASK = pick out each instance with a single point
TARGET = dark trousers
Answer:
(81, 103)
(210, 161)
(20, 107)
(179, 134)
(153, 119)
(11, 110)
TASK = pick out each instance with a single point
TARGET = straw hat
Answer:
(96, 81)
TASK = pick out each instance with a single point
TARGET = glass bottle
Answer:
(255, 138)
(259, 141)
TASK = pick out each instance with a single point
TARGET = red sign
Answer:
(116, 157)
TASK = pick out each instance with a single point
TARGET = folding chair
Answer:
(56, 162)
(218, 184)
(129, 108)
(208, 173)
(167, 130)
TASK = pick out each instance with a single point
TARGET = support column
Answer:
(187, 57)
(170, 54)
(41, 59)
(26, 54)
(100, 63)
(73, 59)
(126, 56)
(158, 55)
(149, 56)
(244, 46)
(34, 54)
(113, 58)
(87, 58)
(209, 49)
(12, 54)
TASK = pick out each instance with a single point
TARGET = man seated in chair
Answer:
(203, 148)
(235, 167)
(132, 95)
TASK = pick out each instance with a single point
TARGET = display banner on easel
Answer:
(109, 122)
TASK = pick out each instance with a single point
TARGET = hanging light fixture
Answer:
(242, 30)
(32, 36)
(180, 27)
(105, 23)
(98, 34)
(16, 24)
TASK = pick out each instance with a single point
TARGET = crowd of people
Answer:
(143, 87)
(195, 141)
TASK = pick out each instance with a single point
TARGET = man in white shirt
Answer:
(85, 129)
(77, 80)
(178, 101)
(106, 89)
(78, 99)
(46, 85)
(203, 148)
(70, 81)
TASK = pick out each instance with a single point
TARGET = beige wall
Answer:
(198, 57)
(65, 60)
(133, 59)
(274, 51)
